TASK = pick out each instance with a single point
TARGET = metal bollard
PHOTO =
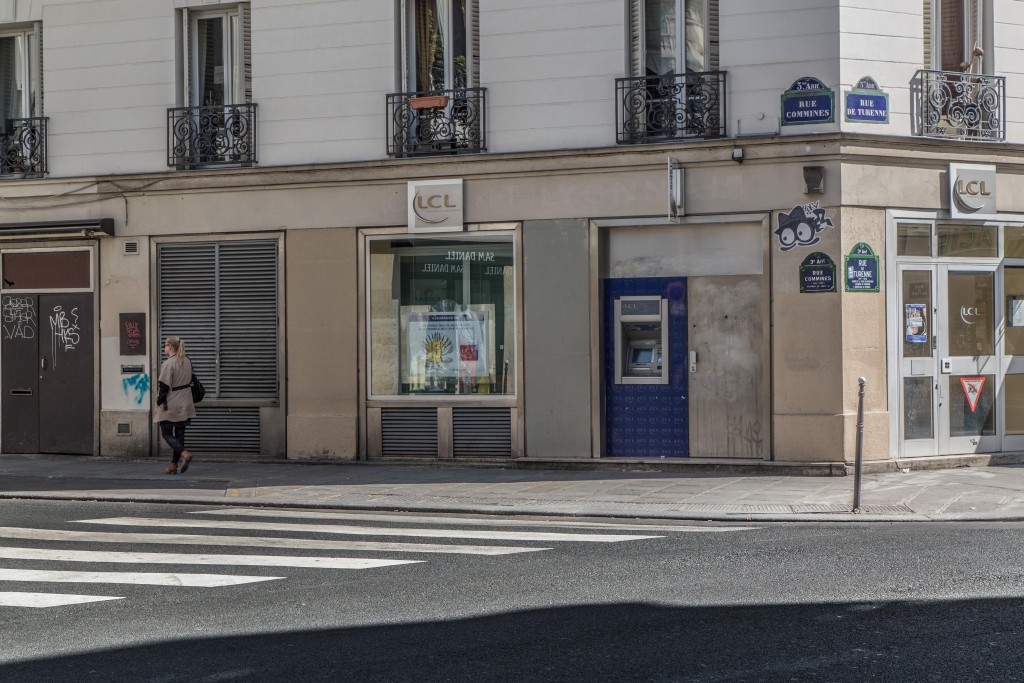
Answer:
(859, 458)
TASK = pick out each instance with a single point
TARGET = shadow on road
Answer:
(968, 640)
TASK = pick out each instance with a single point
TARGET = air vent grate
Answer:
(408, 432)
(124, 428)
(482, 432)
(131, 247)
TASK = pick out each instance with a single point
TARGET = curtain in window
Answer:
(13, 77)
(696, 35)
(210, 72)
(660, 37)
(429, 45)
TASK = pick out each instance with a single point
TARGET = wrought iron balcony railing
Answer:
(959, 106)
(23, 148)
(671, 107)
(436, 122)
(211, 136)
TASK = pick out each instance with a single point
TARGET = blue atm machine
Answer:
(646, 409)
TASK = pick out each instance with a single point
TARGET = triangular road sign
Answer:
(972, 390)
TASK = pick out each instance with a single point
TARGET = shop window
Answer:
(33, 270)
(1014, 240)
(442, 316)
(913, 240)
(968, 241)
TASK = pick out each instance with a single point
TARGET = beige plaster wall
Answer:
(322, 384)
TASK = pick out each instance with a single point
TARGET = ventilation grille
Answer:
(408, 431)
(481, 432)
(224, 430)
(131, 247)
(124, 428)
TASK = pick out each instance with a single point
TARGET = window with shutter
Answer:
(20, 70)
(218, 47)
(222, 299)
(672, 37)
(953, 35)
(437, 35)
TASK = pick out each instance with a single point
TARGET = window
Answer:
(673, 37)
(442, 315)
(954, 39)
(218, 60)
(222, 299)
(441, 45)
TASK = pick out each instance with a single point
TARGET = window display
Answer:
(442, 315)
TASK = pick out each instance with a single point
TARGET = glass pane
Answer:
(971, 314)
(968, 241)
(1014, 388)
(696, 26)
(917, 408)
(913, 240)
(917, 310)
(46, 270)
(660, 36)
(237, 77)
(1014, 242)
(1013, 287)
(442, 316)
(429, 41)
(458, 66)
(13, 76)
(210, 63)
(972, 405)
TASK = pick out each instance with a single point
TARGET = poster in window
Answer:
(447, 346)
(916, 323)
(1016, 312)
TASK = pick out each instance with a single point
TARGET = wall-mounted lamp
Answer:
(814, 179)
(737, 154)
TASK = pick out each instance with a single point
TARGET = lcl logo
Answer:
(969, 312)
(972, 193)
(433, 203)
(972, 189)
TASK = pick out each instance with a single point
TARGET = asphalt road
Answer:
(757, 602)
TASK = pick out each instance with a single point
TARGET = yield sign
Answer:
(972, 389)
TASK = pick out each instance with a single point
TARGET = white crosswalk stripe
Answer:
(169, 534)
(465, 521)
(371, 531)
(135, 578)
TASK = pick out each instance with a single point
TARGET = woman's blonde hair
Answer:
(178, 344)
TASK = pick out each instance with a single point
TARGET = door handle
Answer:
(42, 362)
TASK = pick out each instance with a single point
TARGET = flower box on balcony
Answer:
(428, 102)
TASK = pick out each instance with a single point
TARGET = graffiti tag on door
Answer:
(65, 333)
(19, 317)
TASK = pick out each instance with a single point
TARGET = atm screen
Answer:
(642, 356)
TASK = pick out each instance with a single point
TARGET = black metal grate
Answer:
(436, 122)
(408, 432)
(224, 430)
(671, 107)
(958, 106)
(482, 432)
(23, 148)
(211, 136)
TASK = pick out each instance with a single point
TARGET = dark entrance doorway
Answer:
(47, 373)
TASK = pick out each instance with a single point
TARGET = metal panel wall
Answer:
(556, 284)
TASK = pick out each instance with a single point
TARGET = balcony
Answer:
(221, 135)
(436, 123)
(23, 148)
(959, 106)
(671, 107)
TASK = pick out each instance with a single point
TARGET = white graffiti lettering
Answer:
(65, 332)
(19, 317)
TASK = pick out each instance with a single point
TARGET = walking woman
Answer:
(174, 407)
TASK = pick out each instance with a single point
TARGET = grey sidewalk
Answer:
(994, 492)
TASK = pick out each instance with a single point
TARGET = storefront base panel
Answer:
(125, 433)
(809, 438)
(333, 437)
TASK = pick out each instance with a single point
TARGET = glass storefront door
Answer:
(949, 360)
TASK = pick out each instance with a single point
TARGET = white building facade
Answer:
(487, 230)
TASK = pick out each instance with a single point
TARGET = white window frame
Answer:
(31, 70)
(976, 32)
(680, 37)
(408, 23)
(233, 54)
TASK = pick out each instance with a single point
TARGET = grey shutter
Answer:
(974, 39)
(222, 299)
(929, 35)
(245, 19)
(248, 312)
(474, 22)
(712, 64)
(636, 42)
(187, 304)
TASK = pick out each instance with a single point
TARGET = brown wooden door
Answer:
(48, 395)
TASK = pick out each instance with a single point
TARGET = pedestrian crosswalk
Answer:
(83, 544)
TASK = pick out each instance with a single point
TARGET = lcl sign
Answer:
(435, 205)
(972, 191)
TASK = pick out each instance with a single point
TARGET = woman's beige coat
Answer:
(179, 403)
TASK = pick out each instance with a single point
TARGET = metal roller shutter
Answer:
(222, 299)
